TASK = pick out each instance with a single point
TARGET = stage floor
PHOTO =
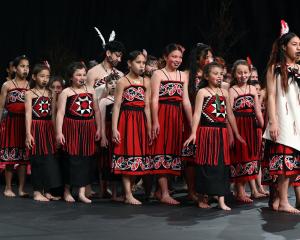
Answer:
(27, 219)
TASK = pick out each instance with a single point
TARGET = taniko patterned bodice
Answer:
(41, 108)
(15, 100)
(134, 95)
(211, 113)
(80, 106)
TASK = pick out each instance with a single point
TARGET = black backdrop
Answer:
(62, 31)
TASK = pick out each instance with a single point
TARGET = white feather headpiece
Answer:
(111, 36)
(284, 27)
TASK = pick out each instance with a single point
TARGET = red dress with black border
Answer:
(131, 156)
(12, 128)
(167, 147)
(245, 159)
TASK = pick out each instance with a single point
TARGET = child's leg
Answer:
(165, 195)
(22, 178)
(67, 194)
(8, 192)
(82, 195)
(222, 204)
(127, 183)
(254, 192)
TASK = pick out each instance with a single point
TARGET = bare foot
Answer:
(203, 205)
(23, 194)
(263, 191)
(169, 200)
(288, 208)
(244, 199)
(131, 200)
(275, 204)
(84, 199)
(258, 195)
(193, 196)
(9, 193)
(224, 207)
(51, 197)
(40, 197)
(68, 198)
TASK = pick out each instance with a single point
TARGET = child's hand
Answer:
(192, 139)
(29, 142)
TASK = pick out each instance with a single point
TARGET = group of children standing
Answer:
(156, 120)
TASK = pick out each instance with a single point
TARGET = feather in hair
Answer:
(101, 36)
(112, 36)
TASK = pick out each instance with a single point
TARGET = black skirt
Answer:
(45, 172)
(213, 179)
(77, 170)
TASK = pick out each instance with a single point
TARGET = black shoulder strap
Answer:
(165, 74)
(128, 80)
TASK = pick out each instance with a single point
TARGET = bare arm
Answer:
(196, 116)
(61, 107)
(186, 102)
(4, 90)
(147, 105)
(97, 116)
(116, 110)
(271, 93)
(257, 107)
(53, 107)
(91, 77)
(29, 142)
(155, 84)
(102, 108)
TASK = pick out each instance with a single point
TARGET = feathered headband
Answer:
(111, 36)
(284, 28)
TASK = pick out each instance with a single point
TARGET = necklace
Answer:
(218, 101)
(42, 94)
(106, 69)
(170, 78)
(135, 81)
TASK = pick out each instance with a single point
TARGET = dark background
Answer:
(62, 31)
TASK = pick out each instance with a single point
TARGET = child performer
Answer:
(246, 107)
(169, 98)
(131, 125)
(282, 149)
(212, 106)
(105, 164)
(78, 127)
(12, 128)
(40, 136)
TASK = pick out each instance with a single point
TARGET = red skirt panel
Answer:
(167, 147)
(79, 136)
(131, 156)
(12, 139)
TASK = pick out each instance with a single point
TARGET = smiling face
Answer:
(79, 77)
(242, 73)
(174, 59)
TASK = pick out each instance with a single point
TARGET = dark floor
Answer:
(26, 219)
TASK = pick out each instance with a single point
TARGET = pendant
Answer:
(218, 102)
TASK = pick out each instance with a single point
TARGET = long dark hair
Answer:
(71, 69)
(35, 71)
(197, 55)
(233, 70)
(167, 50)
(278, 56)
(206, 71)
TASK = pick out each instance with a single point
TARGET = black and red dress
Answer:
(167, 147)
(45, 169)
(131, 155)
(79, 129)
(12, 128)
(212, 148)
(245, 158)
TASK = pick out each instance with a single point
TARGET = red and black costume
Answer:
(79, 129)
(212, 151)
(12, 128)
(245, 158)
(45, 169)
(131, 156)
(167, 147)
